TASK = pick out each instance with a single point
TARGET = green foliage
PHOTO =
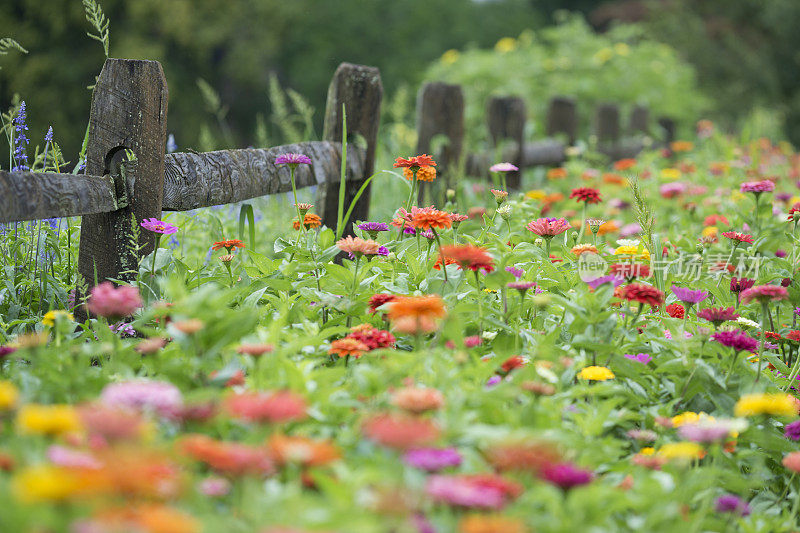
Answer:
(622, 65)
(7, 44)
(98, 20)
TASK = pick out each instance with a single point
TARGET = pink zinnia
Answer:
(566, 475)
(757, 186)
(548, 227)
(70, 458)
(764, 294)
(143, 395)
(503, 167)
(114, 302)
(485, 491)
(158, 226)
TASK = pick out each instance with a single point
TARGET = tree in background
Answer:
(234, 46)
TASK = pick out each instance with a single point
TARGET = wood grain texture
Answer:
(129, 111)
(562, 117)
(440, 111)
(227, 176)
(506, 116)
(35, 195)
(359, 89)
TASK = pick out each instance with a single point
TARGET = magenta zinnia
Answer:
(158, 226)
(292, 159)
(757, 186)
(736, 339)
(112, 302)
(718, 315)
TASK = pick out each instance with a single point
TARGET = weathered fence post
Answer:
(128, 112)
(639, 120)
(607, 129)
(668, 125)
(506, 120)
(562, 117)
(358, 88)
(440, 110)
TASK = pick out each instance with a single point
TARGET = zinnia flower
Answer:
(548, 227)
(113, 303)
(736, 339)
(689, 296)
(158, 226)
(764, 294)
(730, 503)
(160, 397)
(417, 314)
(596, 373)
(292, 159)
(417, 400)
(377, 300)
(643, 358)
(430, 217)
(739, 285)
(274, 407)
(432, 459)
(301, 450)
(718, 315)
(229, 245)
(792, 461)
(423, 173)
(757, 186)
(675, 310)
(792, 431)
(737, 237)
(423, 160)
(566, 475)
(766, 404)
(400, 431)
(503, 167)
(469, 257)
(586, 195)
(310, 220)
(347, 347)
(357, 246)
(485, 491)
(644, 294)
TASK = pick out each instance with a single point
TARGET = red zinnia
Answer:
(377, 300)
(644, 294)
(629, 271)
(795, 209)
(469, 257)
(515, 361)
(738, 237)
(586, 194)
(675, 310)
(229, 245)
(713, 220)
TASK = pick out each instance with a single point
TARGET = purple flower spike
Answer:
(292, 159)
(158, 226)
(689, 296)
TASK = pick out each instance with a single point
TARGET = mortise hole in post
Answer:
(114, 160)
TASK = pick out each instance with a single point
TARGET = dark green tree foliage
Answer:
(234, 45)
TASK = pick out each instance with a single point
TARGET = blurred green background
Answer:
(255, 72)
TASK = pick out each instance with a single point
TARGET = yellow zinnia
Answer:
(766, 404)
(506, 44)
(535, 194)
(670, 173)
(8, 395)
(596, 373)
(681, 450)
(644, 253)
(47, 419)
(50, 317)
(45, 483)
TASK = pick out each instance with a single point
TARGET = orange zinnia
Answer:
(423, 160)
(469, 257)
(308, 452)
(417, 314)
(557, 173)
(624, 164)
(423, 173)
(615, 179)
(229, 245)
(358, 246)
(232, 458)
(430, 217)
(347, 347)
(309, 221)
(400, 431)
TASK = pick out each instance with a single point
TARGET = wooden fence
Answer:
(129, 114)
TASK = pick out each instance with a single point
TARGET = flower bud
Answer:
(574, 237)
(538, 242)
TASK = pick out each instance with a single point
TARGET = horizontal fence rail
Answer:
(38, 195)
(213, 178)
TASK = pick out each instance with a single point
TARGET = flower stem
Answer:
(763, 338)
(155, 252)
(439, 243)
